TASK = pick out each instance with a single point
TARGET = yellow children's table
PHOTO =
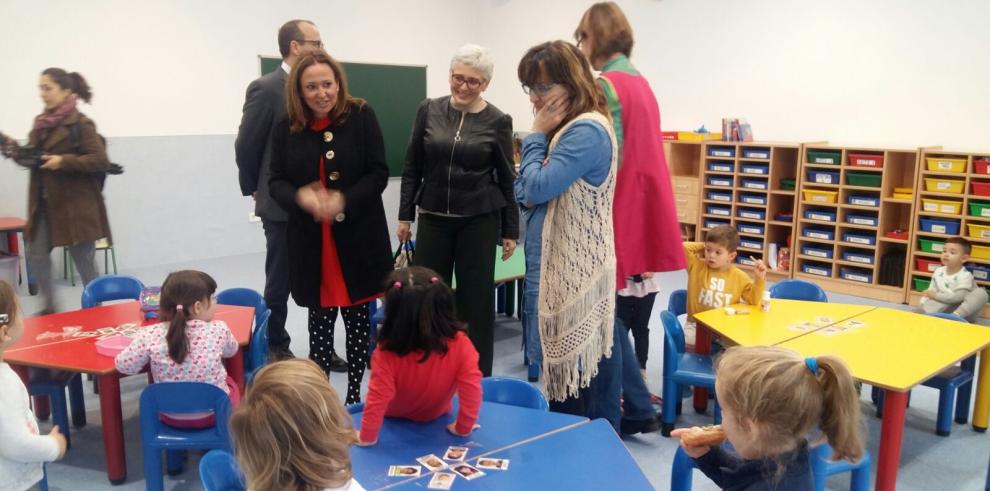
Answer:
(891, 349)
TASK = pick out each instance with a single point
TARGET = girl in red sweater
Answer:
(424, 357)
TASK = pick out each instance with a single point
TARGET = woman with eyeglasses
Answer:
(566, 182)
(458, 174)
(328, 173)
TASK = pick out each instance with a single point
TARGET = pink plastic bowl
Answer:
(112, 345)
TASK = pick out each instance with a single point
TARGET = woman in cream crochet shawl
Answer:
(566, 183)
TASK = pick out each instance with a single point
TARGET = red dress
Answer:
(333, 289)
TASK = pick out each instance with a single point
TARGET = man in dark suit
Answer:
(264, 106)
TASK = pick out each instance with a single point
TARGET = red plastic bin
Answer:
(981, 188)
(669, 135)
(866, 160)
(927, 265)
(982, 166)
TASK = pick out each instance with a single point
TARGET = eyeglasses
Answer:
(317, 43)
(538, 89)
(472, 83)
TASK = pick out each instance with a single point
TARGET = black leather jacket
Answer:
(460, 164)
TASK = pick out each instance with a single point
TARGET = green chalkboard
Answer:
(394, 91)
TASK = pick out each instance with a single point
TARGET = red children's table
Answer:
(78, 354)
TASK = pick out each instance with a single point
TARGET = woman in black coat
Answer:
(328, 173)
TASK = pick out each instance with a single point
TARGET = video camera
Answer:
(24, 155)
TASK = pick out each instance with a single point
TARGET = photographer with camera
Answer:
(67, 160)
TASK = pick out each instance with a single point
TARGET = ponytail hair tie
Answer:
(434, 279)
(812, 364)
(397, 284)
(178, 308)
(4, 319)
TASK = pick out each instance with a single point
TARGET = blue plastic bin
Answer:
(938, 226)
(718, 210)
(863, 200)
(721, 151)
(760, 169)
(753, 199)
(819, 233)
(980, 271)
(721, 166)
(856, 274)
(859, 238)
(817, 269)
(816, 251)
(755, 184)
(719, 196)
(720, 181)
(750, 228)
(857, 257)
(714, 223)
(756, 153)
(822, 177)
(751, 213)
(750, 243)
(821, 215)
(858, 219)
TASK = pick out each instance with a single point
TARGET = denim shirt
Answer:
(584, 151)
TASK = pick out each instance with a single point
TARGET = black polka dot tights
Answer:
(356, 325)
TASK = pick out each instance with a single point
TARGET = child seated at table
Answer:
(189, 346)
(772, 399)
(292, 432)
(953, 288)
(423, 357)
(23, 450)
(714, 281)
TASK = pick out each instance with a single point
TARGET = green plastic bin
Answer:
(788, 185)
(978, 209)
(921, 284)
(931, 246)
(824, 157)
(869, 179)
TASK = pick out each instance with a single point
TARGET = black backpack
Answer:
(101, 176)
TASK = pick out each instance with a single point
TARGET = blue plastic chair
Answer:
(798, 290)
(988, 477)
(219, 472)
(54, 389)
(681, 471)
(955, 386)
(680, 368)
(244, 297)
(113, 287)
(677, 303)
(823, 466)
(355, 408)
(43, 483)
(257, 355)
(513, 392)
(179, 398)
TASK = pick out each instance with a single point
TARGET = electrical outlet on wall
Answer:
(253, 218)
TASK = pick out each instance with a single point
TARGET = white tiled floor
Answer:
(928, 462)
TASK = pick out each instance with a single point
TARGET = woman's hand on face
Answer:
(508, 247)
(52, 162)
(552, 113)
(403, 232)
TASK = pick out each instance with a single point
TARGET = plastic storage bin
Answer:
(750, 228)
(751, 214)
(755, 184)
(921, 284)
(859, 238)
(750, 243)
(980, 252)
(714, 223)
(937, 185)
(756, 153)
(937, 226)
(857, 257)
(721, 166)
(761, 169)
(818, 233)
(981, 188)
(856, 274)
(787, 184)
(874, 160)
(823, 176)
(946, 164)
(824, 157)
(867, 220)
(745, 260)
(8, 269)
(719, 196)
(926, 265)
(718, 210)
(863, 200)
(978, 209)
(942, 206)
(724, 182)
(814, 251)
(817, 269)
(931, 246)
(753, 199)
(978, 231)
(981, 166)
(863, 179)
(820, 215)
(979, 271)
(722, 151)
(816, 196)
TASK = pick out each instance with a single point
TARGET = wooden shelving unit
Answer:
(946, 208)
(684, 161)
(840, 245)
(741, 185)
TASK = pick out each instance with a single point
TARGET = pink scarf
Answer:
(50, 118)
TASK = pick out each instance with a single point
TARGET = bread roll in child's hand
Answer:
(697, 440)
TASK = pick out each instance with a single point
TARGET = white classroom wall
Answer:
(169, 79)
